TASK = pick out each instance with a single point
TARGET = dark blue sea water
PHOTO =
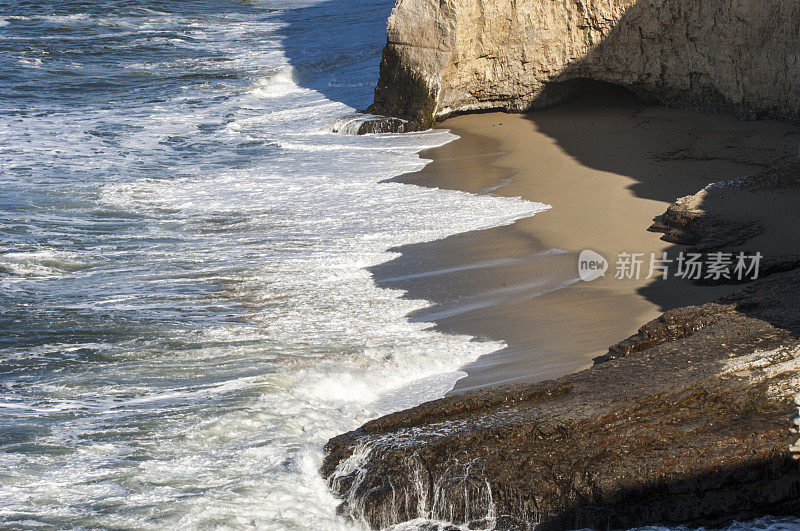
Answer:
(185, 317)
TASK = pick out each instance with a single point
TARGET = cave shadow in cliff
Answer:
(700, 147)
(703, 138)
(604, 74)
(335, 48)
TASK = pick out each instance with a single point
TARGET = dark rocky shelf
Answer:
(690, 421)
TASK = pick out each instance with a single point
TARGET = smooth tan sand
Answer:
(607, 166)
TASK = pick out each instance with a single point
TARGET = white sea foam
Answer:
(31, 63)
(41, 263)
(202, 269)
(281, 83)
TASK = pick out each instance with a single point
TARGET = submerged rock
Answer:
(362, 124)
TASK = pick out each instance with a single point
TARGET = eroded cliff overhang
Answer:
(450, 56)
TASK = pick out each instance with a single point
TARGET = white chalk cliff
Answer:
(447, 56)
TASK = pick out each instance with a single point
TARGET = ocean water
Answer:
(185, 314)
(185, 317)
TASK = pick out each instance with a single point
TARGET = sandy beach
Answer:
(657, 143)
(607, 165)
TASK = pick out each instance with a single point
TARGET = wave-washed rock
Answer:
(449, 56)
(688, 424)
(365, 124)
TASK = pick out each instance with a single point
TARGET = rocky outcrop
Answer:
(692, 425)
(447, 56)
(366, 124)
(671, 326)
(729, 213)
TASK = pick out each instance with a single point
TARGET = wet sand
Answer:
(607, 165)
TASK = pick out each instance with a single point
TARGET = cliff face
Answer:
(446, 56)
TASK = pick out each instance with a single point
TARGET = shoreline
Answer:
(691, 420)
(519, 283)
